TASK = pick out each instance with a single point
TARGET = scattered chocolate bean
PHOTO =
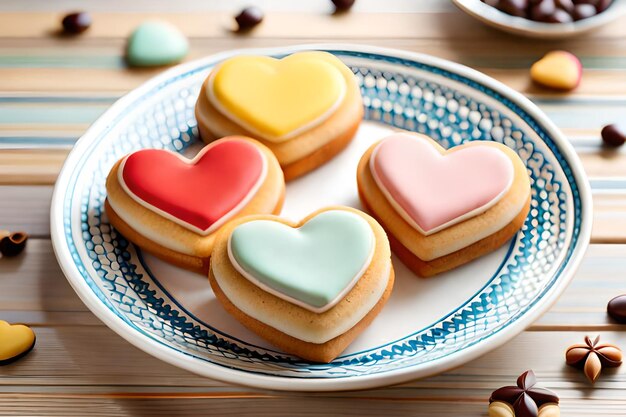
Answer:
(551, 11)
(583, 11)
(343, 5)
(76, 23)
(249, 18)
(523, 399)
(13, 244)
(513, 7)
(542, 10)
(560, 16)
(616, 308)
(614, 135)
(602, 5)
(567, 5)
(592, 356)
(592, 2)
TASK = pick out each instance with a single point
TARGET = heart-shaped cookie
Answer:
(156, 43)
(199, 194)
(313, 265)
(434, 189)
(277, 98)
(15, 341)
(560, 70)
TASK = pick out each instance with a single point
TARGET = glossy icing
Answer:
(313, 266)
(433, 191)
(277, 99)
(14, 340)
(199, 194)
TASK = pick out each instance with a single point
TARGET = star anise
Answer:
(525, 397)
(592, 356)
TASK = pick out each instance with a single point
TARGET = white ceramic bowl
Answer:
(526, 27)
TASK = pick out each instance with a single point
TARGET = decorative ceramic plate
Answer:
(428, 325)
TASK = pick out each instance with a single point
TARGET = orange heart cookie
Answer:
(16, 340)
(559, 70)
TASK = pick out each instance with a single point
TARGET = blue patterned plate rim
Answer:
(71, 264)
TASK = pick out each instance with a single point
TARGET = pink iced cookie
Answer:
(559, 70)
(442, 208)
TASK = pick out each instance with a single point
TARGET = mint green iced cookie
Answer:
(313, 264)
(156, 43)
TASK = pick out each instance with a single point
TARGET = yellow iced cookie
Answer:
(277, 97)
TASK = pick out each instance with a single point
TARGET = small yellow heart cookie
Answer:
(277, 98)
(559, 70)
(15, 341)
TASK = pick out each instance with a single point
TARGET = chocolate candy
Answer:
(249, 18)
(617, 308)
(593, 356)
(560, 16)
(525, 399)
(614, 135)
(543, 10)
(551, 11)
(343, 5)
(13, 244)
(583, 11)
(76, 23)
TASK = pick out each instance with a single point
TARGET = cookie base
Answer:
(20, 356)
(324, 352)
(311, 161)
(189, 262)
(436, 266)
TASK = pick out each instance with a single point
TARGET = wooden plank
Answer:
(503, 52)
(164, 6)
(31, 167)
(35, 291)
(112, 406)
(284, 25)
(600, 82)
(67, 360)
(26, 208)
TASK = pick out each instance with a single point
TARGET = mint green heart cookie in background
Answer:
(156, 43)
(312, 266)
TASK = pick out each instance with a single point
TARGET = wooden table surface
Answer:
(52, 88)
